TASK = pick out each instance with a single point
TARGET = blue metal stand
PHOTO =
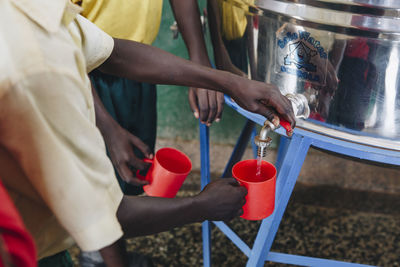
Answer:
(291, 155)
(205, 179)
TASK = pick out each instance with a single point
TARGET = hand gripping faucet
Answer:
(300, 109)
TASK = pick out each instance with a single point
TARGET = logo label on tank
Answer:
(301, 54)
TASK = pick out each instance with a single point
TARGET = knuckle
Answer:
(268, 100)
(120, 164)
(254, 108)
(203, 110)
(288, 110)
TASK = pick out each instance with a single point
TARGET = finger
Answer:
(220, 106)
(193, 102)
(282, 105)
(202, 99)
(244, 192)
(212, 106)
(289, 118)
(145, 149)
(231, 181)
(285, 110)
(239, 213)
(138, 182)
(126, 174)
(138, 164)
(288, 113)
(269, 113)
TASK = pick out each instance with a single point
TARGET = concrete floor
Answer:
(340, 209)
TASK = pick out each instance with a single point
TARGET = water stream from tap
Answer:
(261, 154)
(258, 170)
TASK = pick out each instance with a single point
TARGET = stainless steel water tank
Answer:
(343, 55)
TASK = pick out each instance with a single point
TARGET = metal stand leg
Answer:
(253, 145)
(240, 148)
(291, 156)
(290, 169)
(283, 145)
(205, 179)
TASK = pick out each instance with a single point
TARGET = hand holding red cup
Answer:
(260, 198)
(167, 172)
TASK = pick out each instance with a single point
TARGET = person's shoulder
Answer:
(20, 49)
(27, 48)
(96, 45)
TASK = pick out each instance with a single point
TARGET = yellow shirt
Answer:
(52, 157)
(233, 17)
(136, 20)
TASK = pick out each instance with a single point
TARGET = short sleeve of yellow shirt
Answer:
(233, 19)
(52, 156)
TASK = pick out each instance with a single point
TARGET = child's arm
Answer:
(206, 105)
(120, 144)
(149, 64)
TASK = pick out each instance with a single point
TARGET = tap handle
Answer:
(285, 124)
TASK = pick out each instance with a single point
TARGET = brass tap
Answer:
(263, 141)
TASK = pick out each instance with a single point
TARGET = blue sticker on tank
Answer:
(302, 55)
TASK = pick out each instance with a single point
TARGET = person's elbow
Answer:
(114, 62)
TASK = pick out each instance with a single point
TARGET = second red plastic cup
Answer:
(260, 199)
(167, 172)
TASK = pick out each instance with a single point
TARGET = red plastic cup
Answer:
(167, 173)
(260, 199)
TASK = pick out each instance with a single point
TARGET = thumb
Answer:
(270, 114)
(126, 174)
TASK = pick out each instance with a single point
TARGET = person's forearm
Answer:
(114, 255)
(148, 215)
(145, 63)
(187, 16)
(221, 55)
(214, 21)
(104, 121)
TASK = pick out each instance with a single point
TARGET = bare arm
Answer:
(114, 255)
(220, 200)
(187, 16)
(149, 64)
(120, 144)
(221, 55)
(205, 104)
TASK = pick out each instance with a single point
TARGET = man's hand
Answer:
(115, 254)
(120, 144)
(264, 99)
(207, 105)
(144, 63)
(222, 200)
